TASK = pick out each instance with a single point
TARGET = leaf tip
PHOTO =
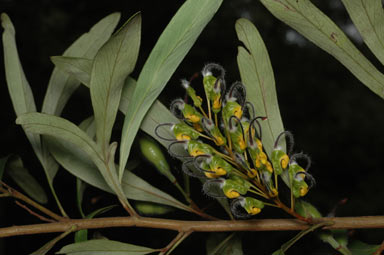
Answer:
(6, 22)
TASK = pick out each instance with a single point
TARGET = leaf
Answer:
(309, 21)
(173, 44)
(79, 68)
(61, 85)
(80, 165)
(18, 86)
(112, 64)
(104, 247)
(82, 235)
(257, 75)
(21, 176)
(360, 248)
(218, 243)
(368, 17)
(58, 127)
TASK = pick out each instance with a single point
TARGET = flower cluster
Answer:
(224, 146)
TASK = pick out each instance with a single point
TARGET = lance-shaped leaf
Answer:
(257, 75)
(105, 247)
(78, 163)
(368, 17)
(18, 86)
(112, 64)
(63, 129)
(61, 85)
(170, 49)
(309, 21)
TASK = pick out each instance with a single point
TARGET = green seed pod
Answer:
(252, 205)
(151, 152)
(279, 161)
(196, 148)
(184, 132)
(151, 209)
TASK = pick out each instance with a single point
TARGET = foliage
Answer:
(104, 61)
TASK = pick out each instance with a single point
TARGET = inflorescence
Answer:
(231, 158)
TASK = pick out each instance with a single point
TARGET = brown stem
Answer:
(18, 195)
(193, 226)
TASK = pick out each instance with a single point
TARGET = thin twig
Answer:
(41, 217)
(195, 226)
(16, 194)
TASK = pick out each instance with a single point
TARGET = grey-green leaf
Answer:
(173, 44)
(79, 164)
(309, 21)
(104, 247)
(61, 85)
(257, 75)
(18, 86)
(112, 64)
(368, 17)
(58, 127)
(16, 170)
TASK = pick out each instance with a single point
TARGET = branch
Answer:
(193, 226)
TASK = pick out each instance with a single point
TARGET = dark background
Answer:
(335, 119)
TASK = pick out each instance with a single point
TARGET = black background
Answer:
(334, 118)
